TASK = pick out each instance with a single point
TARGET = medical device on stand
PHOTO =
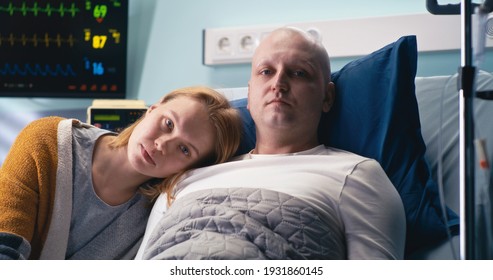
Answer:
(115, 114)
(475, 221)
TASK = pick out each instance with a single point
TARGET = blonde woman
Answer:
(73, 191)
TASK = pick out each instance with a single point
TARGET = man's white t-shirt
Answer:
(351, 193)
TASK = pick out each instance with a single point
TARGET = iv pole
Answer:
(466, 125)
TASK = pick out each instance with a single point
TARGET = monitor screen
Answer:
(63, 48)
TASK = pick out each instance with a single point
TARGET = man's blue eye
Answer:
(265, 72)
(300, 73)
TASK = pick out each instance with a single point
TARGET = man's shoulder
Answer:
(357, 159)
(343, 153)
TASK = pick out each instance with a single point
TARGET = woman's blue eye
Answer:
(185, 150)
(169, 124)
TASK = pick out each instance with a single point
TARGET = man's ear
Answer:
(330, 95)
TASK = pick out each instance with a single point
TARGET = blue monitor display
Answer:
(61, 48)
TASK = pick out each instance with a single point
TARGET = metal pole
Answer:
(466, 127)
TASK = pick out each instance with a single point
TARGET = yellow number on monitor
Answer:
(116, 35)
(87, 34)
(98, 41)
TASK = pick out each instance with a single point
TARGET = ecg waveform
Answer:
(35, 10)
(36, 40)
(63, 48)
(37, 70)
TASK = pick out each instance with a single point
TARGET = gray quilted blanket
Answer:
(243, 223)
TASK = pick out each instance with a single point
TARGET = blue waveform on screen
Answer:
(37, 70)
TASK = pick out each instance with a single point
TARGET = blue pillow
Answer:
(375, 114)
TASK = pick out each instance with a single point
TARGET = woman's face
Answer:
(172, 137)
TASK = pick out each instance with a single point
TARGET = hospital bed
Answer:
(384, 112)
(438, 103)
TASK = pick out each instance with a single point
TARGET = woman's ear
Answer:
(329, 97)
(154, 106)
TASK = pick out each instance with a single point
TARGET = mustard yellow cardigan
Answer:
(28, 179)
(36, 186)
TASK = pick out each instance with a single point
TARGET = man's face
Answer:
(287, 89)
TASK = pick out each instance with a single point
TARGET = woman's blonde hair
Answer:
(228, 130)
